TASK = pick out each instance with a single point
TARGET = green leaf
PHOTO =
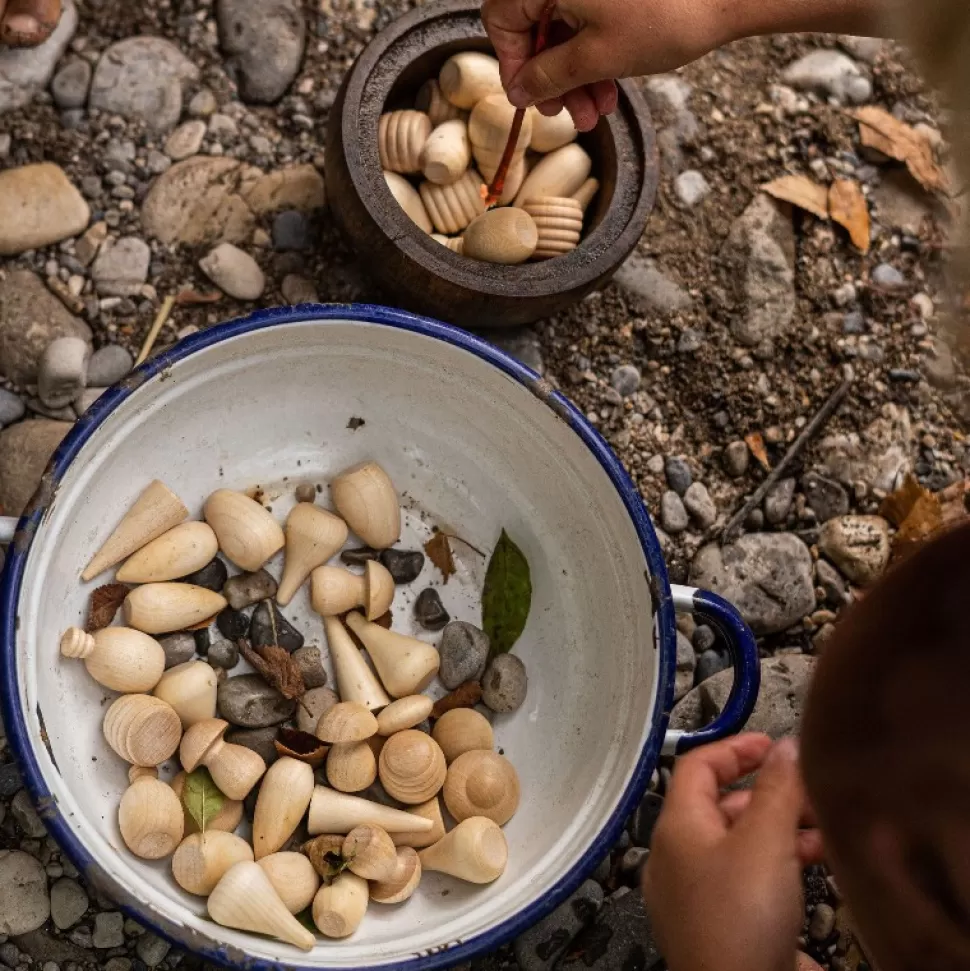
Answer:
(507, 595)
(201, 798)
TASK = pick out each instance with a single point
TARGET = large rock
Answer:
(38, 206)
(857, 545)
(879, 457)
(768, 576)
(761, 250)
(901, 203)
(31, 317)
(24, 902)
(24, 71)
(298, 187)
(25, 450)
(141, 78)
(265, 39)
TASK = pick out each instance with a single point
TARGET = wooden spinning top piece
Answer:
(234, 769)
(559, 221)
(482, 783)
(120, 658)
(143, 730)
(412, 767)
(453, 207)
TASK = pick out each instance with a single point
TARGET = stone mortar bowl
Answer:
(418, 272)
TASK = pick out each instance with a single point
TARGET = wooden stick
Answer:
(159, 322)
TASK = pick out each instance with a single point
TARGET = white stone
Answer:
(691, 188)
(234, 272)
(61, 375)
(185, 141)
(832, 74)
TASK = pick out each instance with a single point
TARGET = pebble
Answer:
(109, 365)
(24, 901)
(778, 501)
(298, 289)
(223, 127)
(69, 903)
(625, 380)
(185, 141)
(504, 684)
(212, 576)
(312, 705)
(10, 780)
(888, 277)
(223, 654)
(310, 662)
(249, 588)
(70, 85)
(700, 505)
(152, 949)
(464, 654)
(691, 188)
(831, 585)
(232, 624)
(26, 816)
(703, 638)
(249, 702)
(822, 924)
(857, 545)
(203, 104)
(262, 741)
(923, 303)
(621, 941)
(109, 930)
(12, 407)
(938, 365)
(121, 268)
(403, 565)
(854, 322)
(39, 205)
(678, 474)
(268, 628)
(644, 819)
(178, 648)
(686, 662)
(826, 497)
(633, 860)
(234, 272)
(62, 371)
(832, 74)
(653, 289)
(540, 947)
(736, 459)
(673, 515)
(845, 295)
(429, 610)
(292, 231)
(710, 663)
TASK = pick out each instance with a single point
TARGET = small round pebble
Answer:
(403, 565)
(822, 924)
(232, 624)
(212, 576)
(430, 611)
(185, 141)
(270, 627)
(778, 501)
(678, 474)
(505, 683)
(152, 949)
(71, 83)
(316, 702)
(292, 231)
(203, 104)
(69, 903)
(625, 380)
(306, 492)
(691, 188)
(310, 662)
(223, 654)
(888, 277)
(464, 654)
(12, 408)
(360, 557)
(703, 639)
(178, 648)
(736, 459)
(249, 588)
(710, 663)
(673, 515)
(700, 505)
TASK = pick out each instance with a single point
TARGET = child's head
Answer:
(886, 755)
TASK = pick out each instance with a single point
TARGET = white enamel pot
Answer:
(476, 443)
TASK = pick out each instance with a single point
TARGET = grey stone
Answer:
(142, 78)
(831, 583)
(464, 654)
(845, 295)
(678, 474)
(901, 203)
(621, 939)
(710, 663)
(247, 589)
(223, 127)
(312, 705)
(69, 903)
(203, 104)
(822, 923)
(673, 515)
(429, 611)
(690, 341)
(686, 663)
(265, 39)
(826, 497)
(24, 901)
(939, 367)
(505, 683)
(522, 344)
(249, 702)
(644, 819)
(62, 371)
(70, 85)
(778, 501)
(298, 289)
(640, 277)
(268, 626)
(879, 456)
(540, 947)
(310, 662)
(857, 545)
(633, 860)
(625, 380)
(768, 576)
(854, 323)
(12, 407)
(232, 624)
(185, 141)
(109, 365)
(259, 740)
(691, 188)
(178, 648)
(10, 780)
(668, 95)
(736, 459)
(26, 816)
(292, 231)
(234, 272)
(888, 277)
(703, 638)
(25, 450)
(152, 950)
(109, 930)
(832, 74)
(223, 654)
(867, 49)
(700, 505)
(121, 267)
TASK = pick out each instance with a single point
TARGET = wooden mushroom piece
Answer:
(402, 883)
(401, 136)
(293, 878)
(355, 679)
(475, 850)
(453, 207)
(120, 658)
(489, 126)
(191, 689)
(340, 905)
(369, 852)
(559, 221)
(404, 713)
(203, 859)
(409, 200)
(313, 536)
(334, 590)
(156, 511)
(234, 769)
(182, 550)
(426, 810)
(247, 533)
(226, 820)
(446, 153)
(506, 235)
(412, 767)
(405, 664)
(142, 730)
(351, 766)
(560, 173)
(482, 783)
(245, 899)
(550, 133)
(337, 812)
(150, 816)
(434, 104)
(281, 804)
(347, 721)
(468, 77)
(160, 608)
(365, 497)
(463, 730)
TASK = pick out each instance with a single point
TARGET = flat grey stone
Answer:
(121, 267)
(641, 278)
(540, 947)
(69, 903)
(24, 901)
(109, 365)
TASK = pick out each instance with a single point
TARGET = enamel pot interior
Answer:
(475, 444)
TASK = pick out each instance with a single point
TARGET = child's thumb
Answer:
(551, 74)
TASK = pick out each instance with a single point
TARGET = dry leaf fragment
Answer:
(466, 695)
(899, 504)
(104, 604)
(438, 549)
(881, 131)
(276, 666)
(301, 746)
(800, 191)
(848, 207)
(756, 444)
(924, 520)
(190, 297)
(325, 855)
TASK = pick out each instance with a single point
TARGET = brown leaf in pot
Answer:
(301, 746)
(324, 853)
(104, 604)
(277, 666)
(466, 695)
(438, 549)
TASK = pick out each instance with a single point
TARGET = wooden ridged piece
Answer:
(559, 221)
(401, 136)
(508, 235)
(453, 207)
(177, 553)
(412, 767)
(120, 658)
(409, 200)
(434, 104)
(142, 730)
(489, 126)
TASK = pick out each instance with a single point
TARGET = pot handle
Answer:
(724, 616)
(8, 526)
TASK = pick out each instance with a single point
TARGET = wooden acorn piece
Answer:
(247, 533)
(475, 850)
(506, 235)
(405, 664)
(468, 77)
(142, 730)
(548, 134)
(559, 221)
(293, 878)
(453, 207)
(355, 680)
(203, 859)
(401, 135)
(404, 713)
(156, 511)
(364, 495)
(455, 243)
(182, 550)
(585, 193)
(369, 852)
(409, 200)
(234, 769)
(462, 730)
(481, 783)
(160, 608)
(334, 590)
(447, 153)
(347, 721)
(150, 816)
(190, 688)
(560, 173)
(283, 799)
(427, 810)
(313, 536)
(351, 766)
(489, 126)
(226, 820)
(412, 767)
(245, 899)
(120, 658)
(337, 812)
(434, 104)
(402, 883)
(339, 906)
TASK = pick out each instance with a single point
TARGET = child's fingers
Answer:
(509, 25)
(734, 804)
(583, 109)
(605, 96)
(550, 108)
(777, 801)
(557, 70)
(811, 847)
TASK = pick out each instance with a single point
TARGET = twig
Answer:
(807, 434)
(159, 322)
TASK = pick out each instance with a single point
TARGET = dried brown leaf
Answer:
(325, 855)
(104, 604)
(301, 746)
(756, 445)
(190, 297)
(848, 207)
(887, 134)
(800, 191)
(277, 667)
(438, 549)
(899, 504)
(466, 695)
(924, 520)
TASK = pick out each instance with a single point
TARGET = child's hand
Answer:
(723, 883)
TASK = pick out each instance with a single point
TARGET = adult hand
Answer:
(723, 883)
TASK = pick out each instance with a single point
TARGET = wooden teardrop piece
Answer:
(405, 664)
(282, 802)
(247, 533)
(313, 536)
(182, 550)
(475, 850)
(365, 497)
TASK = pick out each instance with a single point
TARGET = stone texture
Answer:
(857, 545)
(879, 456)
(700, 505)
(25, 450)
(831, 74)
(185, 141)
(38, 206)
(540, 947)
(234, 271)
(121, 267)
(70, 85)
(673, 515)
(249, 702)
(69, 903)
(61, 374)
(109, 365)
(901, 203)
(686, 663)
(620, 940)
(826, 497)
(24, 902)
(641, 278)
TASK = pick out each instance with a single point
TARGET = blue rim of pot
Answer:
(663, 606)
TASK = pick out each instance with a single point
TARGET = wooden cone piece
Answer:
(245, 899)
(488, 130)
(293, 878)
(155, 511)
(366, 499)
(283, 799)
(160, 608)
(559, 222)
(560, 173)
(204, 858)
(234, 769)
(182, 550)
(248, 534)
(405, 664)
(475, 850)
(506, 235)
(401, 136)
(191, 689)
(402, 883)
(313, 536)
(468, 77)
(453, 207)
(339, 906)
(150, 817)
(427, 810)
(407, 197)
(120, 658)
(142, 730)
(434, 104)
(337, 812)
(446, 153)
(355, 680)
